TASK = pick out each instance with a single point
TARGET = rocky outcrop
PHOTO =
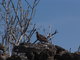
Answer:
(47, 51)
(36, 51)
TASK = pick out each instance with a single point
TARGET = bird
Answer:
(41, 38)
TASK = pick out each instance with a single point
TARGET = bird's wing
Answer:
(43, 36)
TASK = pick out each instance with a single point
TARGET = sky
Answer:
(63, 15)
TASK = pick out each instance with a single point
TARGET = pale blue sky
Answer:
(63, 15)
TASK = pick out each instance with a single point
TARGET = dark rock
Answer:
(42, 52)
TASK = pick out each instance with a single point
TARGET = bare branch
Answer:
(17, 21)
(50, 35)
(15, 13)
(31, 33)
(28, 4)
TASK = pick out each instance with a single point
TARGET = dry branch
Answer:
(17, 21)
